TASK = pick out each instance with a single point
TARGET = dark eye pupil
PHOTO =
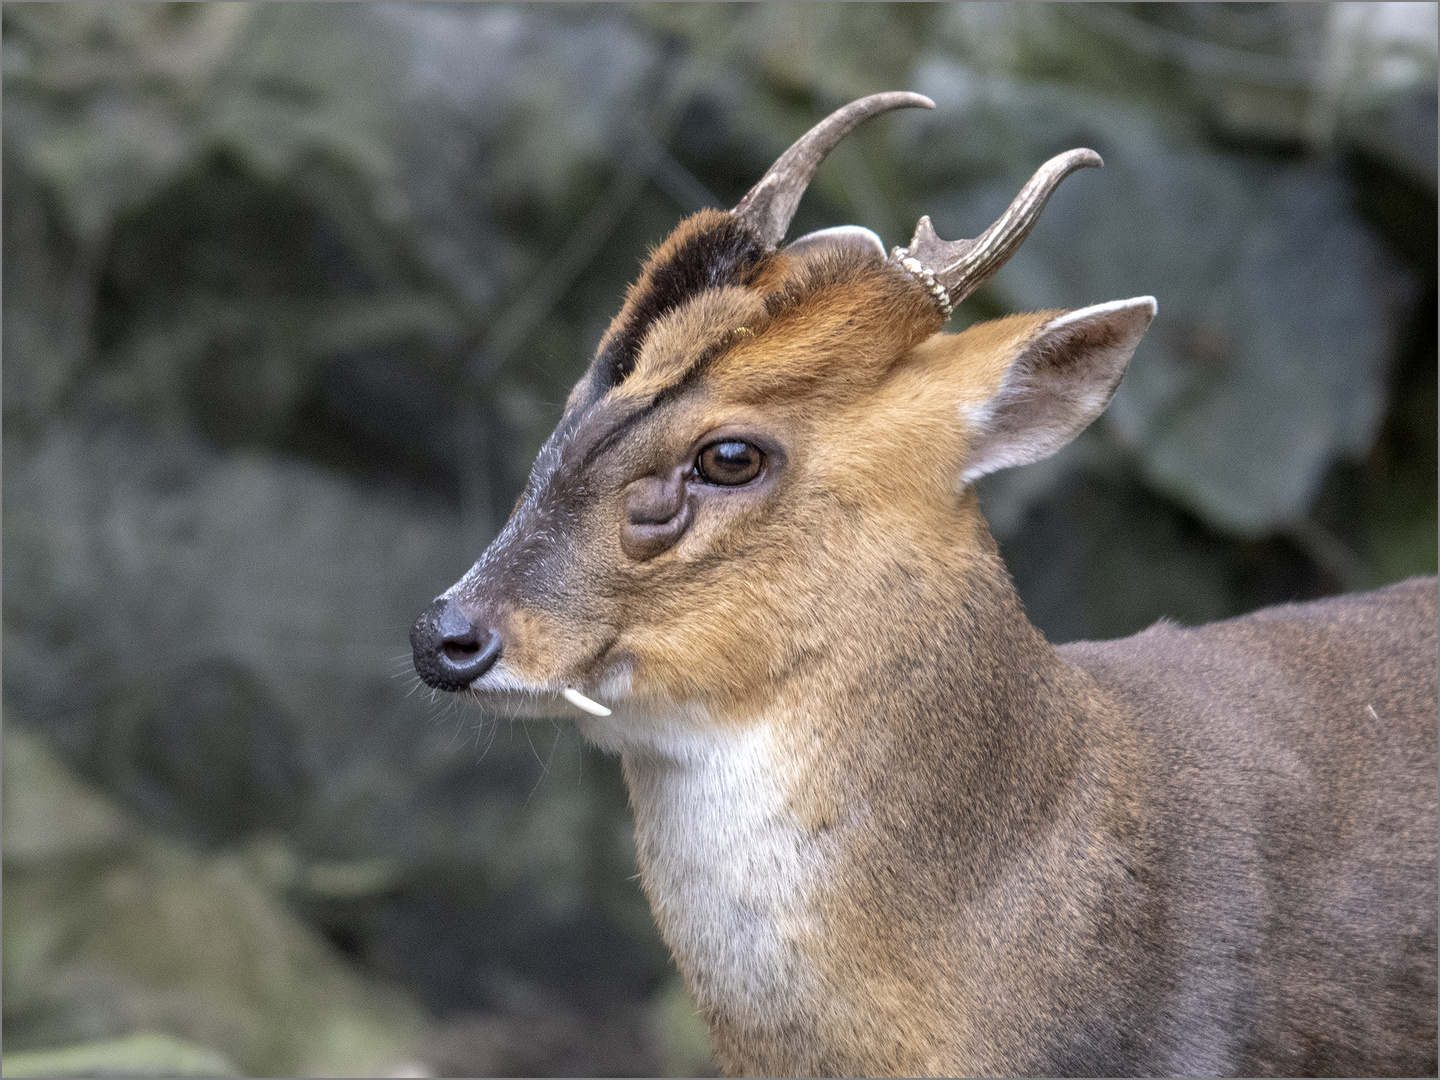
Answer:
(730, 463)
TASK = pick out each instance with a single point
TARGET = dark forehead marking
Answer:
(662, 397)
(708, 250)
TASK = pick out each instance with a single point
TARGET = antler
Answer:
(769, 205)
(952, 270)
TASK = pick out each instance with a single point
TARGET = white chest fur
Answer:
(729, 869)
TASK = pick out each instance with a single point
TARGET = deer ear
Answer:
(840, 236)
(1059, 380)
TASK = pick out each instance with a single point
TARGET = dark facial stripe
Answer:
(664, 396)
(722, 252)
(611, 437)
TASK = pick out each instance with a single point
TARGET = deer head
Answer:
(768, 438)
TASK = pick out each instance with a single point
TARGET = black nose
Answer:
(450, 652)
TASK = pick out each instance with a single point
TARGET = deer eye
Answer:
(729, 463)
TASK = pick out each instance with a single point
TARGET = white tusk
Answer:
(580, 701)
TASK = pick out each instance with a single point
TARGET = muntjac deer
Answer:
(883, 825)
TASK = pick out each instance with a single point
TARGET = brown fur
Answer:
(1193, 851)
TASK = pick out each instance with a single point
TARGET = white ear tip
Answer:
(856, 236)
(1135, 304)
(580, 701)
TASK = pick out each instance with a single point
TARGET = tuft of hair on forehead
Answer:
(838, 319)
(709, 249)
(711, 301)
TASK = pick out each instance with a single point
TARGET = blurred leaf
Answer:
(48, 813)
(143, 1054)
(104, 106)
(148, 936)
(348, 880)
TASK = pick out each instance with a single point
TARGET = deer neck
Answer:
(759, 834)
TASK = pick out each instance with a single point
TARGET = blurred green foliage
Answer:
(110, 927)
(143, 1054)
(294, 292)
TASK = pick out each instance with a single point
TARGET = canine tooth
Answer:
(580, 701)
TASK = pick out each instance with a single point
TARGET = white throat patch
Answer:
(729, 869)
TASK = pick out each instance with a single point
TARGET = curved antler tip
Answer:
(770, 204)
(1082, 158)
(961, 266)
(888, 100)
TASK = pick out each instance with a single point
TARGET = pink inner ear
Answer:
(849, 237)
